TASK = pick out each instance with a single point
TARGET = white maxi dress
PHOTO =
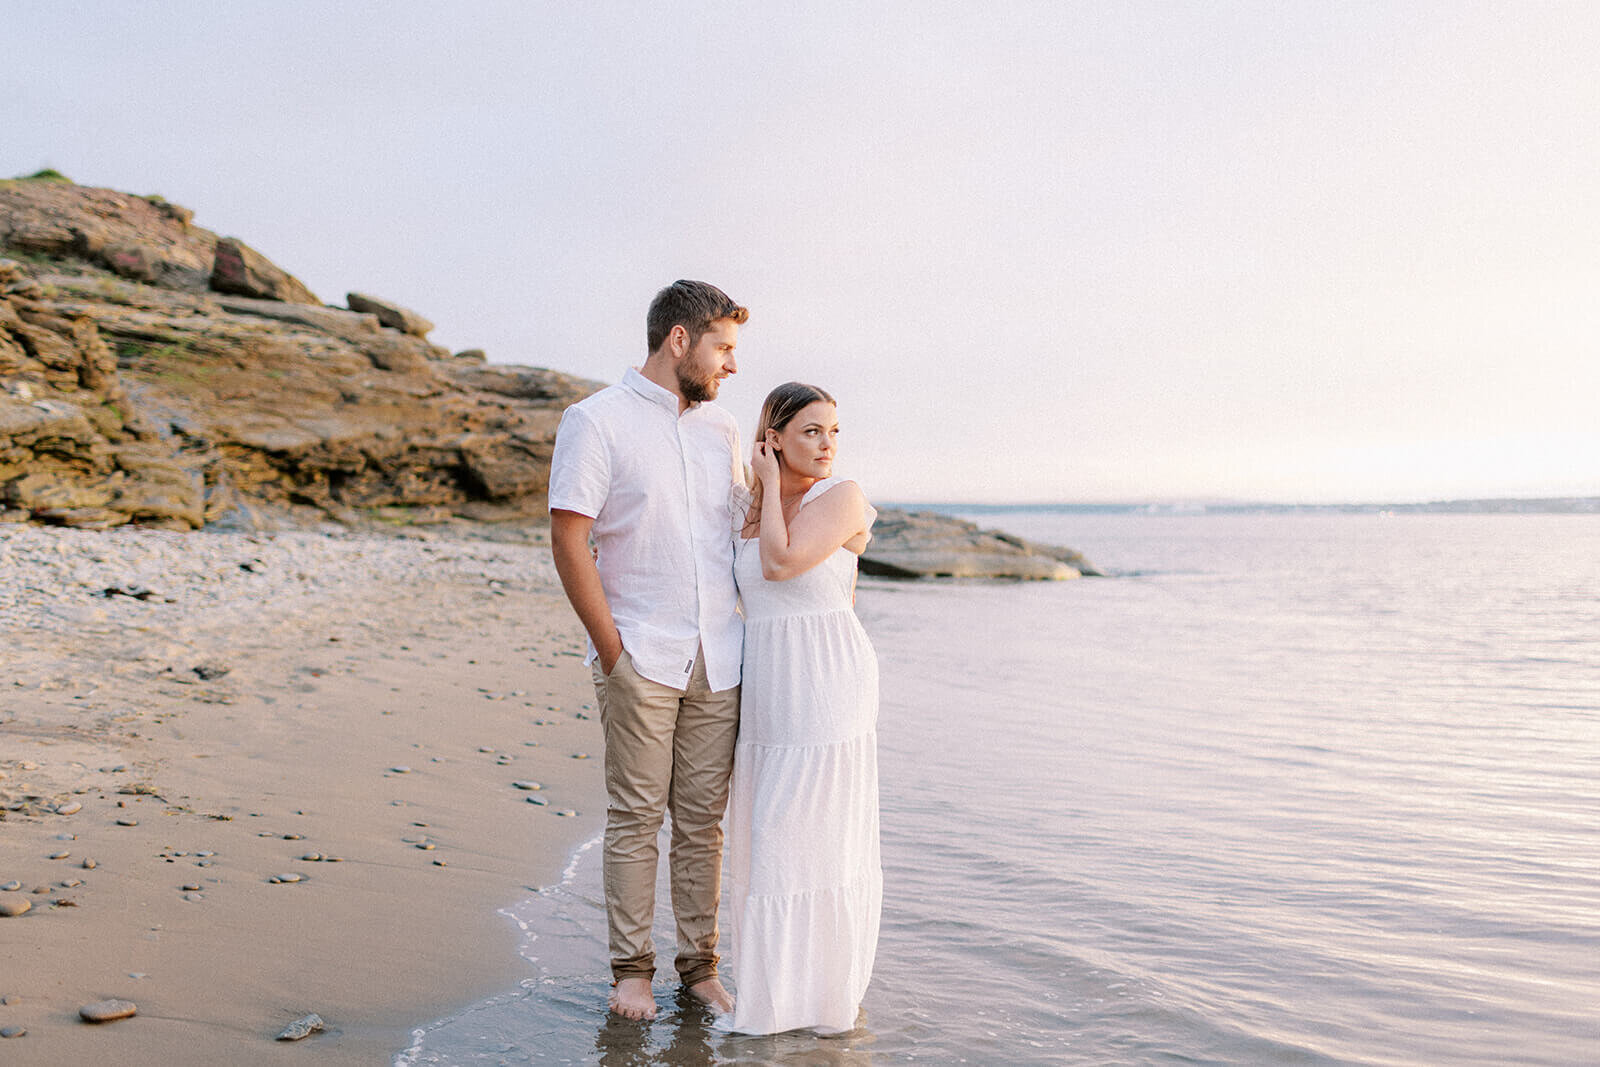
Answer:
(806, 881)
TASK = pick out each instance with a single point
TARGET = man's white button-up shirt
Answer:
(659, 487)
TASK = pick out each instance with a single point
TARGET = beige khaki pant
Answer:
(667, 750)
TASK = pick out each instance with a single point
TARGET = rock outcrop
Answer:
(923, 544)
(153, 372)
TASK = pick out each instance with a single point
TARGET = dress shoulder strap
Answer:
(820, 488)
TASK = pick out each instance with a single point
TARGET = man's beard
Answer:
(696, 389)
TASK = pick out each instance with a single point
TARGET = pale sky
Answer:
(1039, 251)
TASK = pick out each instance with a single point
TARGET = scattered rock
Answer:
(11, 907)
(540, 801)
(390, 314)
(304, 1026)
(286, 878)
(211, 671)
(59, 855)
(402, 769)
(105, 1011)
(10, 887)
(128, 821)
(242, 270)
(530, 786)
(191, 888)
(71, 807)
(89, 865)
(12, 1031)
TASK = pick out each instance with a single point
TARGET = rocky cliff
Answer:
(154, 372)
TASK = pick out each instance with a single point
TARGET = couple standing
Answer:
(651, 470)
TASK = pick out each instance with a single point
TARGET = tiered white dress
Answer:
(806, 881)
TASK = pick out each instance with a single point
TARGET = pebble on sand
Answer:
(105, 1011)
(89, 865)
(12, 1031)
(10, 887)
(304, 1026)
(71, 807)
(541, 801)
(10, 907)
(529, 786)
(291, 877)
(128, 822)
(59, 855)
(401, 769)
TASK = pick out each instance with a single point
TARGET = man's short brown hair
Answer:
(692, 305)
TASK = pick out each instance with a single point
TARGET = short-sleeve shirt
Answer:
(659, 486)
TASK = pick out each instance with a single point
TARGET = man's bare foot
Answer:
(631, 999)
(712, 995)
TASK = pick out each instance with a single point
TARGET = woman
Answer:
(807, 886)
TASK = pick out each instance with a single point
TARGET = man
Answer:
(647, 467)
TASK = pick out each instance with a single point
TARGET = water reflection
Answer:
(682, 1035)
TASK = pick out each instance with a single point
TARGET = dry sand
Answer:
(332, 660)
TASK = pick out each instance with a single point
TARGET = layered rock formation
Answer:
(154, 372)
(922, 544)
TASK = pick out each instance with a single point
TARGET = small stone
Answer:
(301, 1027)
(71, 883)
(427, 846)
(566, 813)
(205, 853)
(580, 755)
(71, 807)
(59, 855)
(541, 801)
(191, 888)
(485, 748)
(401, 769)
(105, 1011)
(293, 837)
(12, 1031)
(440, 863)
(280, 878)
(312, 857)
(129, 821)
(10, 887)
(333, 859)
(89, 865)
(530, 786)
(11, 907)
(203, 863)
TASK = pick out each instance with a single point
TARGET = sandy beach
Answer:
(185, 718)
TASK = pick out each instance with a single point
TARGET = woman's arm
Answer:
(819, 530)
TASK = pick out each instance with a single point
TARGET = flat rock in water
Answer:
(10, 907)
(302, 1027)
(106, 1011)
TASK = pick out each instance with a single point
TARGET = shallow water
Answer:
(1294, 789)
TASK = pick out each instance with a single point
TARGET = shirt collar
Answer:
(652, 392)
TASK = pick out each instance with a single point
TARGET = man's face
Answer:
(709, 361)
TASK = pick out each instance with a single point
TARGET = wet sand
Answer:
(186, 717)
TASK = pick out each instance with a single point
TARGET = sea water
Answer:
(1285, 788)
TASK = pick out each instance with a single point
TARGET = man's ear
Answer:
(678, 341)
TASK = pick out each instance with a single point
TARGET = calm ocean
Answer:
(1288, 789)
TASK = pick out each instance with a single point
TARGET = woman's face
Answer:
(810, 441)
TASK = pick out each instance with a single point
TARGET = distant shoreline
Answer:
(1566, 505)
